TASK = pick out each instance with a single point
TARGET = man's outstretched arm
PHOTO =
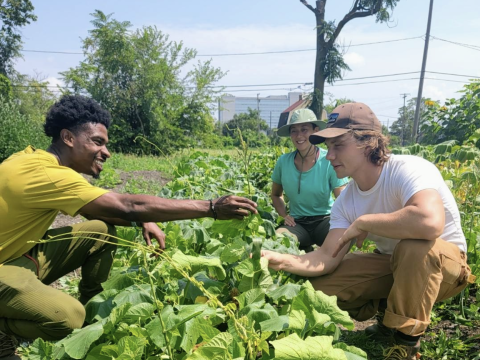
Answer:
(315, 263)
(146, 208)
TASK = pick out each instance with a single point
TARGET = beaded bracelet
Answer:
(212, 208)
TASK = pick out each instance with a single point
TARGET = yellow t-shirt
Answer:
(33, 189)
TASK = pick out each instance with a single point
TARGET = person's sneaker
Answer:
(378, 331)
(402, 349)
(8, 345)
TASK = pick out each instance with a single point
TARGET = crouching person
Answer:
(35, 185)
(401, 203)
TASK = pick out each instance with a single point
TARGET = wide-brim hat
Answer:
(345, 118)
(301, 116)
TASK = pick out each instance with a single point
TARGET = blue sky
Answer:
(217, 27)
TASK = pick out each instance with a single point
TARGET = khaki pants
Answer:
(418, 274)
(29, 308)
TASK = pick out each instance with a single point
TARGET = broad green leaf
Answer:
(185, 313)
(250, 297)
(131, 347)
(102, 352)
(155, 332)
(261, 277)
(78, 344)
(233, 252)
(140, 312)
(117, 315)
(196, 264)
(246, 267)
(318, 320)
(215, 349)
(309, 299)
(100, 306)
(194, 329)
(40, 350)
(296, 320)
(192, 291)
(258, 313)
(351, 352)
(287, 291)
(121, 281)
(135, 294)
(279, 323)
(313, 348)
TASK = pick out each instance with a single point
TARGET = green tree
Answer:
(329, 62)
(402, 128)
(5, 87)
(136, 75)
(18, 130)
(457, 119)
(13, 15)
(251, 125)
(33, 96)
(333, 103)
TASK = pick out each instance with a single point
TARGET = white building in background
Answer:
(270, 107)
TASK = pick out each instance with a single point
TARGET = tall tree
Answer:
(13, 15)
(329, 62)
(140, 77)
(402, 127)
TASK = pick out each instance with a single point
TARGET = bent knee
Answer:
(414, 249)
(64, 318)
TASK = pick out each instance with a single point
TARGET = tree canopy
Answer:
(13, 15)
(141, 77)
(329, 62)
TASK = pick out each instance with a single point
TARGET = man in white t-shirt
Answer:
(401, 203)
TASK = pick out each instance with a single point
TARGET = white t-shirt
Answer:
(402, 176)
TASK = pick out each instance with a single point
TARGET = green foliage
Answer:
(136, 76)
(250, 125)
(5, 87)
(456, 119)
(402, 128)
(18, 131)
(205, 297)
(33, 96)
(13, 15)
(330, 64)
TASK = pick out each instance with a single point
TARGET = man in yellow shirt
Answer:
(36, 185)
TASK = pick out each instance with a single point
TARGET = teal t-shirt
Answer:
(316, 186)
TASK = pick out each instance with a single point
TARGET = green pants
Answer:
(29, 308)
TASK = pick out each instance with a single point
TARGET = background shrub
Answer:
(17, 131)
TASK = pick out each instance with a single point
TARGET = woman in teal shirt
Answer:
(308, 180)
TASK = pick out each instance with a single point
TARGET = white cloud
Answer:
(353, 59)
(53, 81)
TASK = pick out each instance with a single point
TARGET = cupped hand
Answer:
(152, 231)
(233, 207)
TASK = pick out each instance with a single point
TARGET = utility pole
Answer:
(219, 113)
(404, 118)
(422, 74)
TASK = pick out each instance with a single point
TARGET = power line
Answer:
(360, 83)
(468, 46)
(238, 54)
(442, 73)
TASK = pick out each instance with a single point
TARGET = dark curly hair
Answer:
(72, 112)
(375, 145)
